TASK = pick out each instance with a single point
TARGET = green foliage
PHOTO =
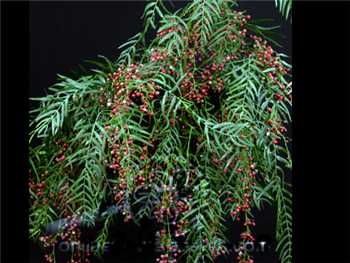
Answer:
(206, 219)
(87, 189)
(182, 124)
(285, 7)
(66, 96)
(284, 222)
(205, 14)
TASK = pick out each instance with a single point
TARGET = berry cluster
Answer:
(268, 59)
(143, 97)
(235, 31)
(168, 247)
(158, 55)
(193, 40)
(43, 195)
(165, 209)
(248, 182)
(49, 258)
(61, 200)
(117, 151)
(71, 232)
(267, 56)
(71, 228)
(240, 19)
(276, 130)
(124, 96)
(164, 32)
(196, 86)
(61, 154)
(167, 214)
(181, 207)
(246, 236)
(37, 188)
(216, 251)
(47, 241)
(119, 80)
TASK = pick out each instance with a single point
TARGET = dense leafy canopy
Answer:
(188, 129)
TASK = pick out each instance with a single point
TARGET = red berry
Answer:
(282, 129)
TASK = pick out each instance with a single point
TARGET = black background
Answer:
(62, 35)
